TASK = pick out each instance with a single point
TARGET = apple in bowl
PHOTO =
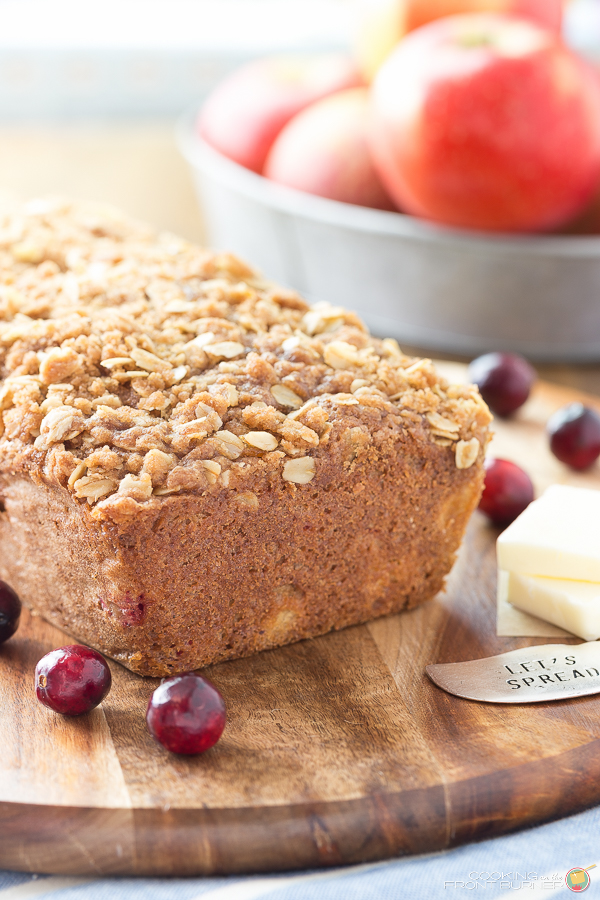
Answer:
(244, 114)
(324, 150)
(381, 24)
(487, 122)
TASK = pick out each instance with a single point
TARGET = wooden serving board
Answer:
(337, 750)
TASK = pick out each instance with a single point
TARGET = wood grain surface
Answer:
(337, 750)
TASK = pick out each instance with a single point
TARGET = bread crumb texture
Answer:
(137, 366)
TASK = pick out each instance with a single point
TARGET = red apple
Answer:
(244, 114)
(323, 150)
(588, 221)
(544, 12)
(487, 122)
(382, 23)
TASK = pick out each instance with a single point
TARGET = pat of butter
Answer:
(557, 536)
(572, 605)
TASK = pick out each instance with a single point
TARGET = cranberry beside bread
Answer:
(195, 465)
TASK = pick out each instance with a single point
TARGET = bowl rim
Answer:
(201, 156)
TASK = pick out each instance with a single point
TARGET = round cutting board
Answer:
(337, 750)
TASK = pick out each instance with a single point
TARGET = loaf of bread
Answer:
(196, 465)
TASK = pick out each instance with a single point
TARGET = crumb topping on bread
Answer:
(138, 365)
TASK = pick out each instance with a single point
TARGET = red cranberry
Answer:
(574, 433)
(10, 611)
(186, 714)
(72, 680)
(507, 491)
(504, 380)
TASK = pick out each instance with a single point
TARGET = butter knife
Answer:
(530, 675)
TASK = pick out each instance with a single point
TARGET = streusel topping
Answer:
(138, 365)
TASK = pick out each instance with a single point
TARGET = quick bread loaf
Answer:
(195, 465)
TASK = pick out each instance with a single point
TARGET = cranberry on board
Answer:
(10, 611)
(186, 714)
(72, 680)
(574, 433)
(504, 380)
(507, 491)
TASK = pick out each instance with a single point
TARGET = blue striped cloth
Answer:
(530, 862)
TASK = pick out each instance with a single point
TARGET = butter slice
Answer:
(572, 605)
(557, 536)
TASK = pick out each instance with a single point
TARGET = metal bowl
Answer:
(454, 291)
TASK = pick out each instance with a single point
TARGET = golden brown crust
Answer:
(137, 366)
(148, 384)
(188, 581)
